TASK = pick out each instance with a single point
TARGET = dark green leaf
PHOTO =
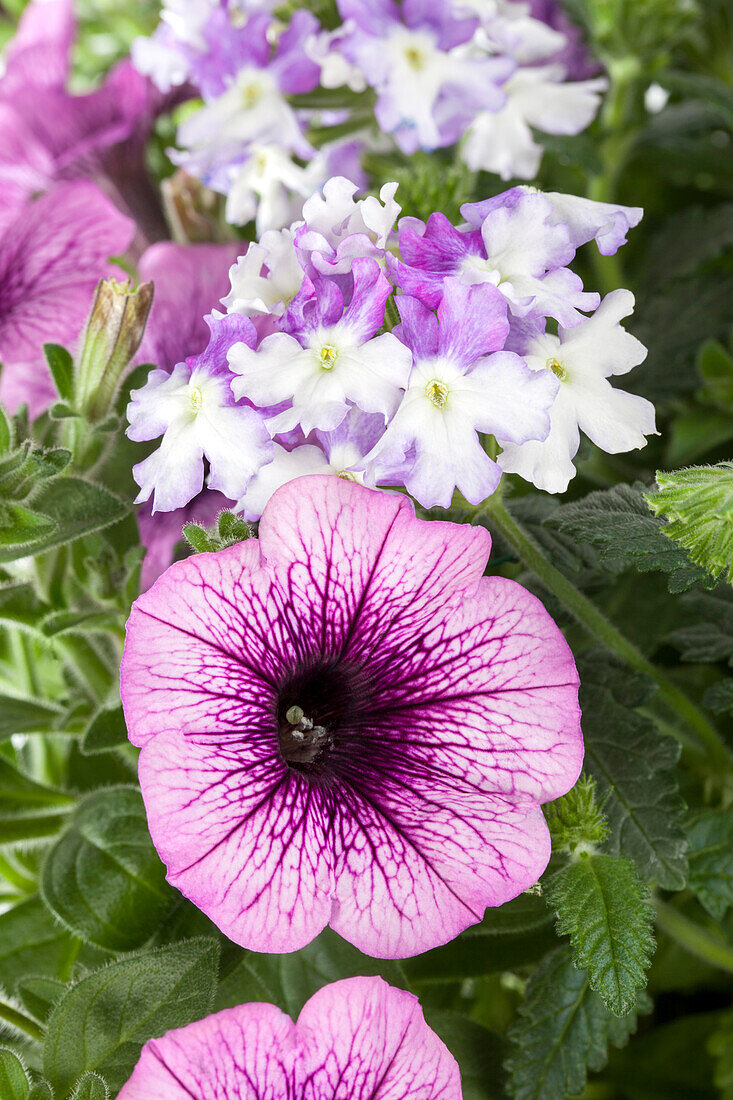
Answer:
(563, 1030)
(79, 622)
(91, 1087)
(13, 1081)
(106, 731)
(75, 507)
(39, 995)
(21, 526)
(20, 606)
(31, 942)
(619, 524)
(472, 955)
(103, 878)
(477, 1050)
(29, 810)
(633, 766)
(19, 715)
(711, 638)
(103, 1021)
(710, 836)
(61, 366)
(712, 91)
(720, 1046)
(603, 905)
(719, 697)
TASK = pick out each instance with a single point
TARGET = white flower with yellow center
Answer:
(583, 358)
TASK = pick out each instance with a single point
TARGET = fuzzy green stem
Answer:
(698, 941)
(19, 1020)
(596, 623)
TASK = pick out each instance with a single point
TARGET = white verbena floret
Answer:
(583, 358)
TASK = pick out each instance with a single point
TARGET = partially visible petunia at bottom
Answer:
(345, 723)
(354, 1040)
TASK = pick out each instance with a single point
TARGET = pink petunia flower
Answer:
(51, 257)
(355, 1038)
(344, 723)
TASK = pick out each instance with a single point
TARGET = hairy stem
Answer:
(596, 623)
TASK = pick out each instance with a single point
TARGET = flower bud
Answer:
(194, 212)
(112, 336)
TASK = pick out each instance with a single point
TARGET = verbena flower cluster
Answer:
(390, 356)
(285, 106)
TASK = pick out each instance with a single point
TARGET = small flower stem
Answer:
(19, 1020)
(596, 623)
(698, 941)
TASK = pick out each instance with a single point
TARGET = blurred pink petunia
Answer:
(189, 279)
(354, 1039)
(51, 257)
(345, 723)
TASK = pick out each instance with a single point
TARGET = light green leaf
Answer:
(103, 878)
(26, 715)
(74, 507)
(29, 810)
(698, 505)
(61, 366)
(710, 836)
(102, 1022)
(563, 1030)
(13, 1080)
(603, 905)
(618, 523)
(91, 1087)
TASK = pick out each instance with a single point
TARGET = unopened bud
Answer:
(194, 212)
(111, 338)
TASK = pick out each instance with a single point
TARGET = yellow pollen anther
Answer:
(251, 94)
(197, 398)
(346, 475)
(557, 368)
(328, 356)
(415, 58)
(294, 715)
(437, 392)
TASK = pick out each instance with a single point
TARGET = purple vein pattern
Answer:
(357, 1039)
(344, 723)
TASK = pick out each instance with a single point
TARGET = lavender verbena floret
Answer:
(255, 1050)
(346, 723)
(425, 74)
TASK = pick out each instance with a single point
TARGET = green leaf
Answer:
(290, 980)
(477, 1050)
(79, 622)
(31, 942)
(19, 715)
(13, 1080)
(710, 836)
(39, 995)
(720, 1046)
(41, 1091)
(29, 810)
(563, 1030)
(91, 1087)
(633, 765)
(20, 606)
(698, 505)
(618, 523)
(75, 507)
(603, 905)
(715, 367)
(106, 731)
(719, 697)
(103, 878)
(61, 366)
(102, 1022)
(712, 91)
(5, 432)
(198, 538)
(710, 639)
(20, 525)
